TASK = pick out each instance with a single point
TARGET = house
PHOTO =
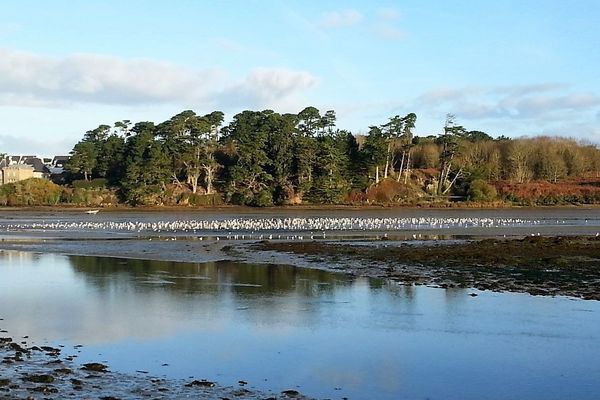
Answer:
(40, 170)
(18, 168)
(60, 161)
(14, 172)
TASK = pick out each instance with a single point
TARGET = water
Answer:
(280, 327)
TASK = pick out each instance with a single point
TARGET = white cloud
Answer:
(28, 79)
(265, 86)
(338, 19)
(547, 108)
(519, 101)
(25, 144)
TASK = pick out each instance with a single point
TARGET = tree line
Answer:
(262, 158)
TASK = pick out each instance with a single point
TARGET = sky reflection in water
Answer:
(279, 327)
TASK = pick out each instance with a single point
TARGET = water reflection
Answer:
(278, 327)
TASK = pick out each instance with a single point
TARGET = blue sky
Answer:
(510, 68)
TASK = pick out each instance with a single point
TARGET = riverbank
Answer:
(299, 207)
(42, 372)
(563, 265)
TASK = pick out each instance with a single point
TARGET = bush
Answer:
(264, 198)
(97, 183)
(206, 200)
(30, 192)
(480, 190)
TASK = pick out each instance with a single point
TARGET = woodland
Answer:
(264, 158)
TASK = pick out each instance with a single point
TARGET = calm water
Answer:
(280, 327)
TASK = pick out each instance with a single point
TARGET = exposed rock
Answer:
(42, 378)
(202, 383)
(95, 367)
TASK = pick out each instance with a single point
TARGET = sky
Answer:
(514, 68)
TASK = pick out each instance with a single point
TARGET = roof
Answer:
(60, 160)
(37, 164)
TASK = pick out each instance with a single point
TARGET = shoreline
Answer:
(300, 207)
(31, 371)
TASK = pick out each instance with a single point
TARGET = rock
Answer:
(16, 347)
(290, 393)
(42, 378)
(45, 389)
(4, 382)
(95, 367)
(202, 383)
(65, 371)
(473, 294)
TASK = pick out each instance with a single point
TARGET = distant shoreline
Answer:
(450, 206)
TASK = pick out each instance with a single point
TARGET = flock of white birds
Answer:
(258, 225)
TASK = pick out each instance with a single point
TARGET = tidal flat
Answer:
(403, 313)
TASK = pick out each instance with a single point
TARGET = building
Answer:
(14, 172)
(18, 168)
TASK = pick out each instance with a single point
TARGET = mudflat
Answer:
(562, 265)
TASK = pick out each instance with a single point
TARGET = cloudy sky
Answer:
(510, 67)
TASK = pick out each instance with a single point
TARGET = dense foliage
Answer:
(264, 158)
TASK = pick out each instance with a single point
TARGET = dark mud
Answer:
(44, 372)
(568, 266)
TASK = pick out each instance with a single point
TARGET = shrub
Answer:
(480, 190)
(264, 198)
(30, 192)
(93, 184)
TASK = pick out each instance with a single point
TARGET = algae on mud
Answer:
(537, 265)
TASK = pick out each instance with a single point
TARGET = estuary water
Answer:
(279, 327)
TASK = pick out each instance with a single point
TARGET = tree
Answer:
(147, 166)
(123, 127)
(280, 131)
(375, 151)
(83, 159)
(328, 122)
(391, 132)
(110, 159)
(330, 184)
(309, 121)
(210, 145)
(408, 122)
(519, 159)
(305, 150)
(449, 141)
(248, 180)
